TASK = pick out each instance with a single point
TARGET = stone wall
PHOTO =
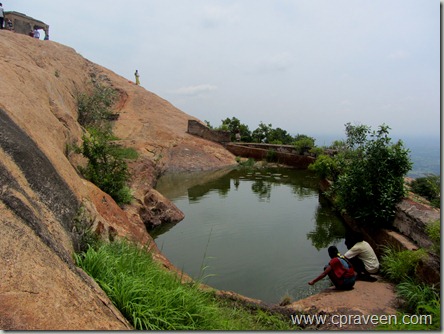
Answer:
(285, 154)
(24, 24)
(278, 148)
(198, 129)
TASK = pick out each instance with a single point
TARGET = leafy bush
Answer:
(279, 136)
(260, 135)
(264, 133)
(398, 266)
(317, 151)
(106, 168)
(371, 179)
(428, 187)
(325, 167)
(339, 145)
(95, 109)
(234, 125)
(303, 143)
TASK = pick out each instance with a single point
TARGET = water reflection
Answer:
(262, 182)
(327, 231)
(264, 231)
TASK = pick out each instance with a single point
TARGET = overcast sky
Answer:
(306, 66)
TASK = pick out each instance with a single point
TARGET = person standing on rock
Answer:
(36, 33)
(238, 135)
(9, 25)
(137, 77)
(339, 270)
(2, 16)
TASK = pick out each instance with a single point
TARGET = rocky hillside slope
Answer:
(42, 196)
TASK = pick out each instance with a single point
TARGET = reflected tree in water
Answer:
(222, 186)
(305, 186)
(327, 231)
(301, 191)
(302, 187)
(262, 189)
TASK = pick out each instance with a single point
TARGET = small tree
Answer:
(325, 167)
(303, 143)
(234, 125)
(373, 181)
(279, 136)
(428, 187)
(106, 166)
(95, 109)
(370, 171)
(260, 135)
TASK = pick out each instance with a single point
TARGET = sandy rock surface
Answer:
(41, 192)
(366, 299)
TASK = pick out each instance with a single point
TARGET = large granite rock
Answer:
(42, 194)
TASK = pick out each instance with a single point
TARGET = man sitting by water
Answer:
(339, 270)
(362, 256)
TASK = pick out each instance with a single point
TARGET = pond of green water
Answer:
(262, 233)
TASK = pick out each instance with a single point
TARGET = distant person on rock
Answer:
(2, 16)
(238, 136)
(339, 270)
(9, 25)
(137, 77)
(36, 33)
(362, 256)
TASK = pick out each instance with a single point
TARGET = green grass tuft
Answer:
(398, 266)
(152, 298)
